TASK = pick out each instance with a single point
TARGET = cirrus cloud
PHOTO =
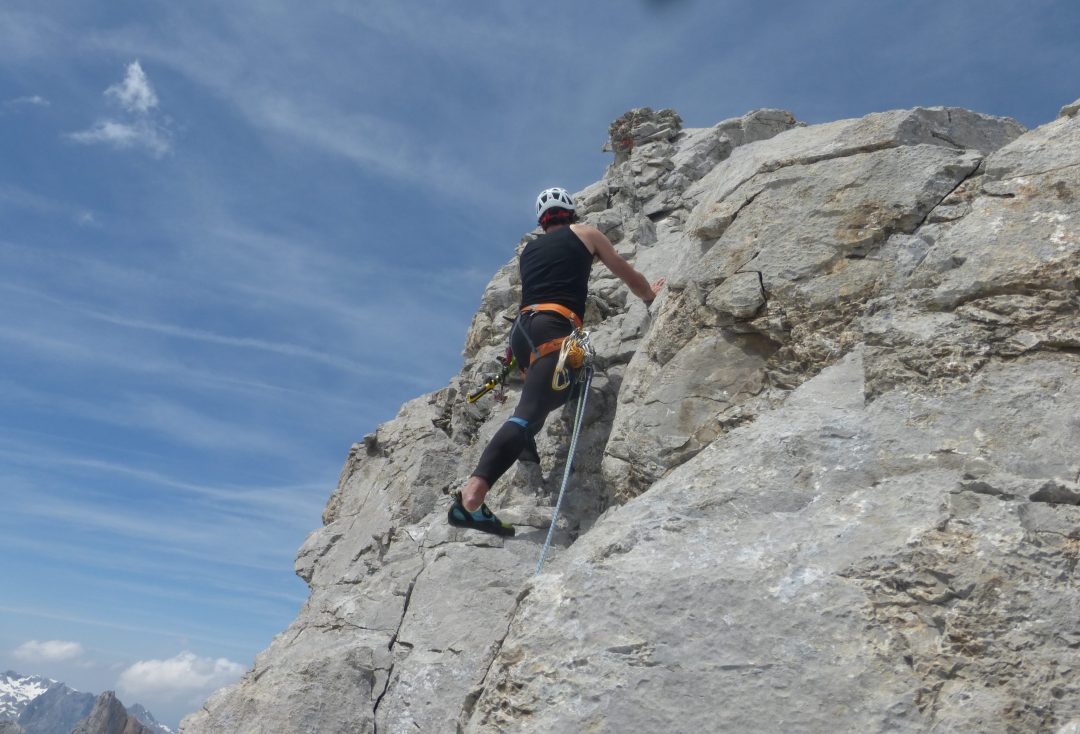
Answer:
(35, 100)
(126, 135)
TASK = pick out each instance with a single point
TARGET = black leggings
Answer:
(537, 397)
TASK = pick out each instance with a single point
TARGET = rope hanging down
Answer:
(582, 338)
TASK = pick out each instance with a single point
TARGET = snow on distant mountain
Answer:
(23, 699)
(16, 691)
(56, 711)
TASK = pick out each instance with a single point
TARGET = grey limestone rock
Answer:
(828, 481)
(821, 561)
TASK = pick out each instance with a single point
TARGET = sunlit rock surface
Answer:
(829, 483)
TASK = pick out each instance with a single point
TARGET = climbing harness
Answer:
(579, 415)
(551, 345)
(572, 351)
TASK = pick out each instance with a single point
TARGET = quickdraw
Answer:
(574, 352)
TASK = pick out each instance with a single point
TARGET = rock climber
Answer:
(554, 284)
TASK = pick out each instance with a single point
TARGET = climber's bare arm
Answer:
(601, 246)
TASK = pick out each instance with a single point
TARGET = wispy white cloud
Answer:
(178, 579)
(164, 632)
(29, 35)
(183, 424)
(35, 100)
(350, 122)
(203, 335)
(232, 544)
(138, 134)
(22, 199)
(48, 651)
(87, 352)
(299, 276)
(299, 351)
(75, 514)
(142, 127)
(284, 505)
(135, 93)
(166, 579)
(373, 142)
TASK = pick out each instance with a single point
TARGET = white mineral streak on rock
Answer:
(830, 483)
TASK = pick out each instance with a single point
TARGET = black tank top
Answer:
(555, 269)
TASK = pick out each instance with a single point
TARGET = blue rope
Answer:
(569, 462)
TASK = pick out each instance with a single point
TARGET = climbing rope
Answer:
(578, 419)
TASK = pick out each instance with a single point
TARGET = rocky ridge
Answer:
(110, 717)
(56, 711)
(36, 705)
(830, 483)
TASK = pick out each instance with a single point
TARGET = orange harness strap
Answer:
(555, 344)
(559, 309)
(547, 348)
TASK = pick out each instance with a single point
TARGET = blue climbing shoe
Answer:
(483, 519)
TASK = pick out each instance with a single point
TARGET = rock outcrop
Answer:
(110, 717)
(829, 484)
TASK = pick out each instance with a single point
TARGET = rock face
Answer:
(829, 484)
(110, 717)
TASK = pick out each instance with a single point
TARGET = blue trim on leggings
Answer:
(519, 421)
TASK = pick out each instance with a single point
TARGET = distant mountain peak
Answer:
(17, 691)
(42, 705)
(110, 717)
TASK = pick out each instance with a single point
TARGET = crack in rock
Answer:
(812, 159)
(469, 706)
(967, 177)
(1027, 174)
(945, 138)
(393, 643)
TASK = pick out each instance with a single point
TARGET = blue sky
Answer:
(235, 237)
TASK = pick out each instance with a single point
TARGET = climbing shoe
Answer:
(483, 519)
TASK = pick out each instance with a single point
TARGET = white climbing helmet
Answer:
(554, 197)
